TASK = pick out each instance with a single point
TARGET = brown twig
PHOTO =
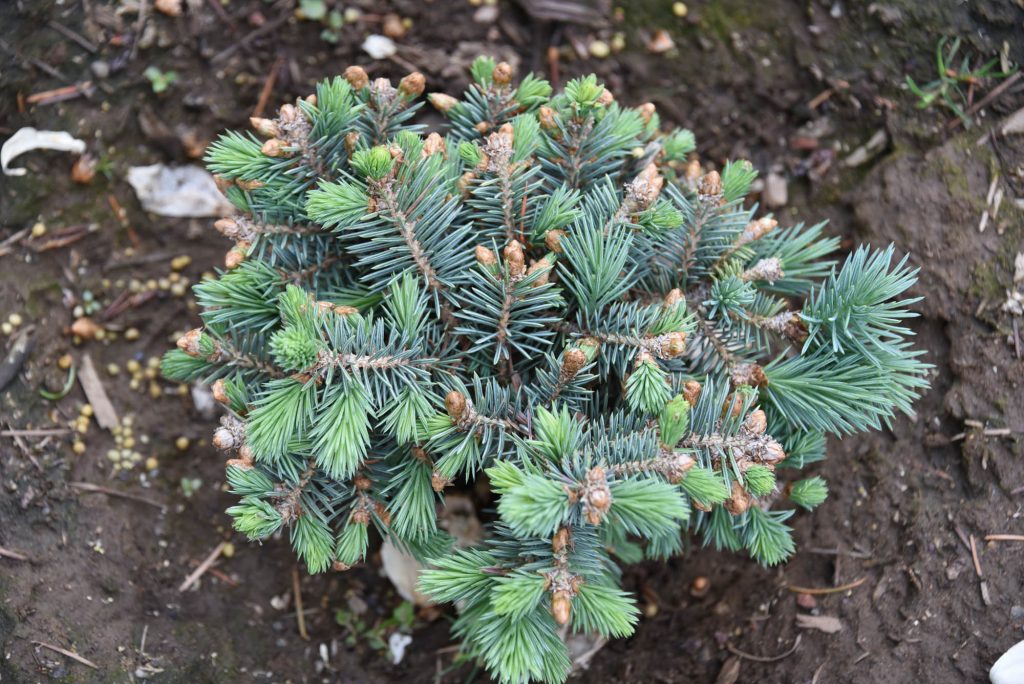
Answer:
(13, 555)
(765, 659)
(974, 557)
(992, 95)
(91, 488)
(60, 94)
(70, 654)
(827, 590)
(300, 619)
(42, 432)
(203, 567)
(1004, 537)
(268, 87)
(72, 36)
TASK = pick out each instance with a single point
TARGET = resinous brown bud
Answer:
(455, 405)
(502, 74)
(412, 85)
(356, 77)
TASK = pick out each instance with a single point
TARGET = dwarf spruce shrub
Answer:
(553, 297)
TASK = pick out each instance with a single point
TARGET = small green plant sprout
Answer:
(552, 304)
(160, 81)
(954, 88)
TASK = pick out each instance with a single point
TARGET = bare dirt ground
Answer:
(797, 87)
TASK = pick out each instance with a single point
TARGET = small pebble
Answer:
(113, 368)
(86, 410)
(181, 443)
(228, 551)
(78, 447)
(179, 263)
(100, 69)
(152, 463)
(680, 9)
(131, 334)
(65, 362)
(599, 49)
(15, 319)
(132, 365)
(39, 229)
(6, 328)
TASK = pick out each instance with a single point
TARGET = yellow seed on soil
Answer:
(131, 334)
(81, 428)
(129, 442)
(39, 229)
(65, 362)
(15, 319)
(152, 284)
(599, 49)
(179, 263)
(114, 455)
(153, 362)
(6, 328)
(183, 390)
(78, 447)
(228, 551)
(174, 277)
(154, 390)
(150, 373)
(133, 366)
(164, 284)
(101, 334)
(152, 463)
(113, 368)
(179, 289)
(680, 9)
(86, 410)
(134, 383)
(181, 443)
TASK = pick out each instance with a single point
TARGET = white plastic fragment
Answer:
(1009, 669)
(397, 644)
(28, 139)
(180, 191)
(379, 47)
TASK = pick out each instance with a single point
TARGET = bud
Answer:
(362, 483)
(769, 269)
(189, 342)
(455, 405)
(412, 85)
(249, 184)
(561, 540)
(546, 116)
(515, 259)
(673, 344)
(606, 98)
(553, 240)
(757, 422)
(673, 298)
(228, 227)
(223, 439)
(345, 310)
(311, 99)
(275, 147)
(561, 607)
(356, 77)
(351, 142)
(289, 113)
(219, 392)
(434, 144)
(361, 517)
(485, 257)
(442, 102)
(647, 110)
(693, 171)
(482, 127)
(222, 183)
(573, 361)
(464, 182)
(245, 454)
(382, 512)
(773, 453)
(438, 481)
(338, 566)
(710, 187)
(700, 587)
(542, 267)
(739, 501)
(749, 374)
(691, 391)
(502, 74)
(236, 255)
(265, 127)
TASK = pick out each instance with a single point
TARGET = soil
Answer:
(794, 86)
